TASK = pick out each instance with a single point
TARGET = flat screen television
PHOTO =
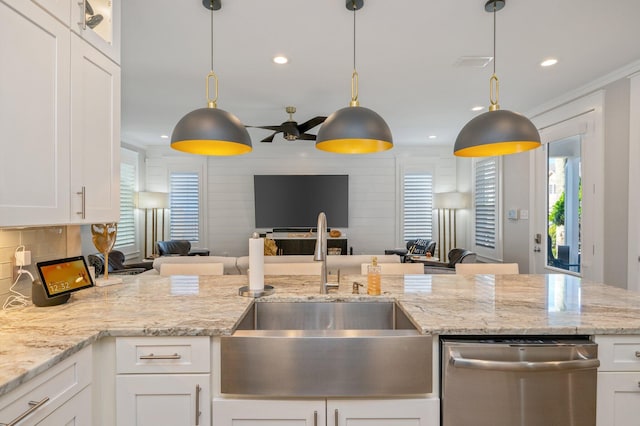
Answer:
(294, 201)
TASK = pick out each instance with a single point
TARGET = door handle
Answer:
(336, 417)
(152, 356)
(198, 390)
(34, 406)
(315, 418)
(482, 364)
(83, 208)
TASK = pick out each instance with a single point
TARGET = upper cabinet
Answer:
(95, 135)
(60, 103)
(98, 22)
(35, 118)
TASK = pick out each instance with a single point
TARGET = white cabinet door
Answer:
(618, 399)
(163, 400)
(75, 412)
(95, 135)
(34, 118)
(384, 412)
(249, 412)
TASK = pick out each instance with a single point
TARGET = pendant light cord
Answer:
(354, 75)
(354, 35)
(494, 37)
(212, 35)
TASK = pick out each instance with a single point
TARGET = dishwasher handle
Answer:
(457, 360)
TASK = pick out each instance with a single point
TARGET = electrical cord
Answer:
(17, 299)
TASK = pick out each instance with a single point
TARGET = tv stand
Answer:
(306, 245)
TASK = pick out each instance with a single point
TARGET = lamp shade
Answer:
(498, 132)
(211, 131)
(152, 200)
(354, 130)
(451, 200)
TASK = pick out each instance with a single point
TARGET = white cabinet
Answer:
(35, 117)
(98, 22)
(618, 380)
(95, 135)
(331, 412)
(61, 395)
(163, 381)
(252, 412)
(60, 119)
(389, 412)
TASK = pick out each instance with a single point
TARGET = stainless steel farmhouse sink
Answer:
(326, 349)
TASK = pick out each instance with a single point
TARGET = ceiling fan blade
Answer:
(274, 128)
(269, 138)
(307, 137)
(310, 124)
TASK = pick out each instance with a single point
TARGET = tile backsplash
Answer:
(44, 243)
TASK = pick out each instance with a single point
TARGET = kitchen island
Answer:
(33, 339)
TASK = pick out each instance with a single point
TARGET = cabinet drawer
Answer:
(49, 390)
(619, 353)
(163, 355)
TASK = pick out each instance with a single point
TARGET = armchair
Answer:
(456, 255)
(116, 264)
(418, 247)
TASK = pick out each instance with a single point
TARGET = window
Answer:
(417, 206)
(486, 199)
(184, 202)
(126, 237)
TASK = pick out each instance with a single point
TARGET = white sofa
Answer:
(240, 265)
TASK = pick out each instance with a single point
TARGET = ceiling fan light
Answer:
(211, 131)
(499, 132)
(354, 130)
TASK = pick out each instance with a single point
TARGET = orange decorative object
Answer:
(335, 233)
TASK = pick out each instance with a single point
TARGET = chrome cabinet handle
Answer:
(83, 24)
(481, 364)
(152, 356)
(637, 354)
(315, 418)
(336, 418)
(83, 208)
(34, 406)
(198, 389)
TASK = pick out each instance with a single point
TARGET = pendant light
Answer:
(496, 132)
(354, 129)
(211, 131)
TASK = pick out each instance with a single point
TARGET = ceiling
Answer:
(406, 59)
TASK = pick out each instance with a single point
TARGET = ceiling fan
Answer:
(291, 130)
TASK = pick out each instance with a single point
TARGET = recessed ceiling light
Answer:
(280, 60)
(477, 108)
(548, 62)
(432, 136)
(164, 136)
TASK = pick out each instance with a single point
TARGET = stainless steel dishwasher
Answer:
(521, 381)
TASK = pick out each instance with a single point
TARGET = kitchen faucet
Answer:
(320, 254)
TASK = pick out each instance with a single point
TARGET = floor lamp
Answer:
(154, 202)
(447, 203)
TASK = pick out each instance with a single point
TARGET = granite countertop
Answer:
(32, 339)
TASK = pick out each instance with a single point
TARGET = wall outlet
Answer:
(23, 258)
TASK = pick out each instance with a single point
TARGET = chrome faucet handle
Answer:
(356, 287)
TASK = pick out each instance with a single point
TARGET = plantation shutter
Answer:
(184, 202)
(485, 197)
(418, 206)
(126, 235)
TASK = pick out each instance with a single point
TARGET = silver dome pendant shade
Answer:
(211, 131)
(354, 129)
(496, 132)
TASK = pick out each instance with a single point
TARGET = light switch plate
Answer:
(512, 214)
(524, 214)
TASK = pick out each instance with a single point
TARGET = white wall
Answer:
(515, 187)
(373, 189)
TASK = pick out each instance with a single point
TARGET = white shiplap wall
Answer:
(374, 189)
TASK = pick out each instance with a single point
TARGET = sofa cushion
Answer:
(229, 263)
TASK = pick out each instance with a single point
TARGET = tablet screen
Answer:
(64, 275)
